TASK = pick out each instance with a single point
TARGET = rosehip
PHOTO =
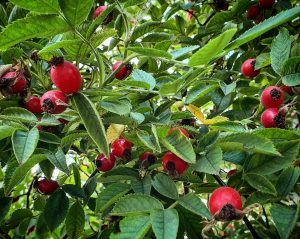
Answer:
(121, 148)
(271, 118)
(17, 78)
(105, 164)
(266, 3)
(287, 89)
(54, 102)
(148, 158)
(98, 11)
(33, 104)
(124, 70)
(231, 172)
(253, 12)
(46, 186)
(173, 164)
(248, 68)
(182, 131)
(272, 97)
(224, 202)
(66, 77)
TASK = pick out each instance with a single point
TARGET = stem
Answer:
(173, 205)
(28, 193)
(265, 214)
(245, 219)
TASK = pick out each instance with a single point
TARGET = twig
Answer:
(28, 193)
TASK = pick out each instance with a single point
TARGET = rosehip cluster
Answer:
(272, 98)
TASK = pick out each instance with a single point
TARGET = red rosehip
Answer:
(104, 164)
(121, 148)
(54, 102)
(224, 196)
(287, 89)
(33, 104)
(248, 68)
(272, 97)
(189, 15)
(46, 186)
(66, 77)
(271, 118)
(124, 71)
(98, 11)
(18, 79)
(231, 172)
(267, 4)
(173, 164)
(253, 12)
(148, 158)
(182, 131)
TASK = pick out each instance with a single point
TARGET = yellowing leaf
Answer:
(200, 116)
(114, 131)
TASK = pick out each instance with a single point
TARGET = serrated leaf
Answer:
(291, 71)
(5, 203)
(260, 183)
(142, 186)
(212, 48)
(139, 75)
(277, 134)
(73, 190)
(180, 145)
(286, 181)
(75, 221)
(6, 131)
(182, 51)
(68, 140)
(110, 195)
(58, 159)
(198, 92)
(143, 29)
(280, 50)
(135, 204)
(39, 26)
(20, 172)
(133, 227)
(41, 6)
(195, 205)
(165, 186)
(165, 223)
(91, 120)
(49, 138)
(18, 114)
(210, 163)
(151, 52)
(56, 45)
(56, 209)
(147, 140)
(76, 11)
(24, 144)
(120, 107)
(264, 27)
(284, 218)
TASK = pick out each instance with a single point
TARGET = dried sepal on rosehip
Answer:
(147, 159)
(225, 205)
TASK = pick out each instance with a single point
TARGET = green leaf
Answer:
(280, 50)
(18, 114)
(199, 91)
(110, 195)
(277, 134)
(136, 204)
(120, 107)
(68, 140)
(133, 227)
(210, 163)
(76, 11)
(75, 221)
(182, 51)
(262, 60)
(265, 26)
(73, 190)
(165, 223)
(180, 145)
(5, 203)
(143, 29)
(91, 120)
(58, 159)
(249, 142)
(147, 140)
(142, 186)
(56, 209)
(261, 183)
(195, 205)
(284, 218)
(212, 48)
(151, 52)
(286, 181)
(6, 131)
(41, 6)
(258, 197)
(291, 71)
(49, 138)
(56, 45)
(39, 26)
(24, 143)
(165, 186)
(20, 172)
(139, 75)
